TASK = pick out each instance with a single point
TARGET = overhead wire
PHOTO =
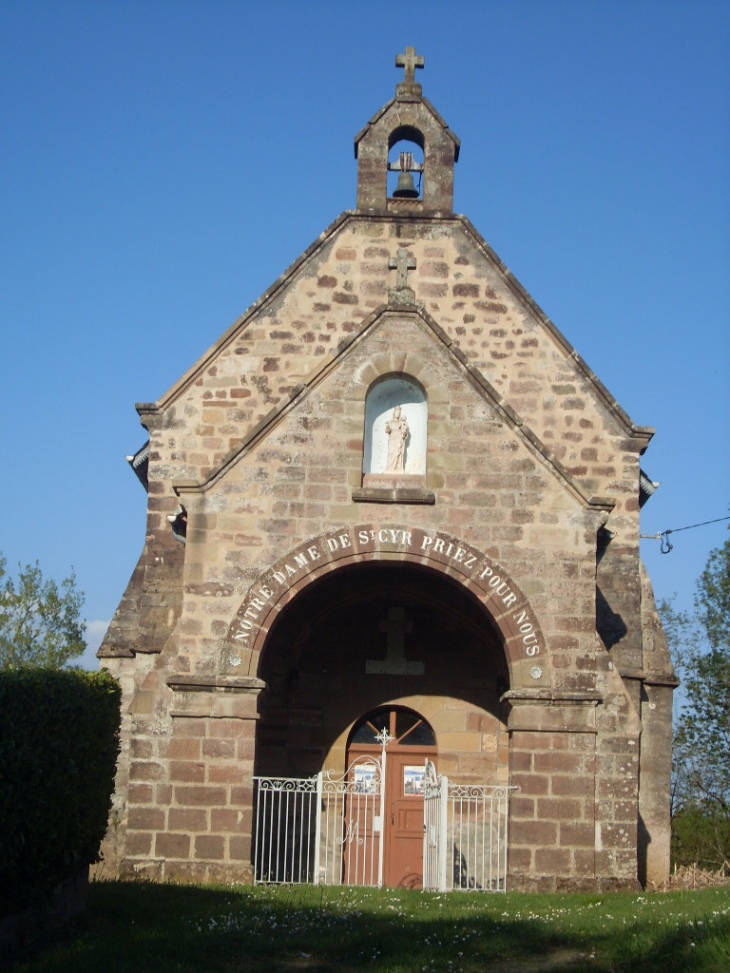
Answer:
(663, 536)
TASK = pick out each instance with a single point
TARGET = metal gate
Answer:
(464, 835)
(321, 830)
(326, 830)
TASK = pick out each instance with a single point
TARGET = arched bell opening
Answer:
(406, 155)
(374, 635)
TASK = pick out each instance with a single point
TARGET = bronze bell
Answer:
(406, 188)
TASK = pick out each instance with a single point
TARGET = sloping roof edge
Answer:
(229, 335)
(638, 432)
(641, 433)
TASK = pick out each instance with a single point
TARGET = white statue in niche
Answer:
(397, 431)
(381, 446)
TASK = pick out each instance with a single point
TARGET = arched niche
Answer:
(396, 426)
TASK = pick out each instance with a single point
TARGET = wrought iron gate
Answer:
(321, 830)
(324, 830)
(464, 835)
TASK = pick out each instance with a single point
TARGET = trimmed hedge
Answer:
(59, 740)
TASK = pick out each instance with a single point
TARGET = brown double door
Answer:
(412, 743)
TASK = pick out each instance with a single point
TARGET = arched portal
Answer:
(484, 581)
(382, 634)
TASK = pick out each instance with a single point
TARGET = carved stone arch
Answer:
(410, 364)
(406, 133)
(507, 607)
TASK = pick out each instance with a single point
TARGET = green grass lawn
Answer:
(140, 928)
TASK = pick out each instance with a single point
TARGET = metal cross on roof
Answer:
(410, 61)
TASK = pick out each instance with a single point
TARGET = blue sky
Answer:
(163, 162)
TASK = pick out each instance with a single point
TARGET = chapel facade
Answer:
(392, 492)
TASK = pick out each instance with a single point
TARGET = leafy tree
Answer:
(700, 644)
(40, 621)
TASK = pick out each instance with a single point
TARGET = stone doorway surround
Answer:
(373, 634)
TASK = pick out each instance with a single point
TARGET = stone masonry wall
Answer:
(295, 331)
(190, 798)
(491, 487)
(262, 442)
(461, 284)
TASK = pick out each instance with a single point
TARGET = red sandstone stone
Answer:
(172, 845)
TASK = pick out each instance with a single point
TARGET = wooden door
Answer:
(412, 742)
(403, 865)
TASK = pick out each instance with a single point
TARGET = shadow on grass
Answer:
(135, 928)
(700, 948)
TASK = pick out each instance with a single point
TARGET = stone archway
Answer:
(384, 636)
(506, 606)
(374, 634)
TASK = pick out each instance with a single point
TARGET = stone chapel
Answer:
(392, 507)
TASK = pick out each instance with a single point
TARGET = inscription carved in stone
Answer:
(317, 552)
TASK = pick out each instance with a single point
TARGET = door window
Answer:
(406, 729)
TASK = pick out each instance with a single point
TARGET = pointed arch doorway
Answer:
(410, 742)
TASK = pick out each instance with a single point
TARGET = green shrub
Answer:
(701, 836)
(59, 739)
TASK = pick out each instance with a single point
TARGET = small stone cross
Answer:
(396, 627)
(410, 61)
(402, 262)
(402, 294)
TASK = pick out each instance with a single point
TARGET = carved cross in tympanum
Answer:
(396, 628)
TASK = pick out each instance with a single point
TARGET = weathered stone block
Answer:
(172, 845)
(209, 847)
